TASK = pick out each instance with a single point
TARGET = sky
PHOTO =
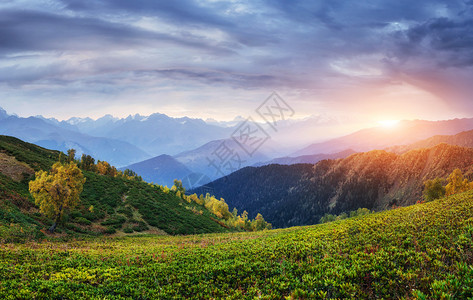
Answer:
(366, 60)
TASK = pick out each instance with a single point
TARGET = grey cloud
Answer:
(270, 43)
(32, 30)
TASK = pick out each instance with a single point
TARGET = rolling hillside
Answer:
(108, 204)
(300, 194)
(424, 251)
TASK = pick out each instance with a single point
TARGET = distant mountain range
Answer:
(46, 134)
(208, 162)
(162, 169)
(192, 142)
(406, 132)
(156, 134)
(464, 139)
(300, 194)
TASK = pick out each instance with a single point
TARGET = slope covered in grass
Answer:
(108, 204)
(423, 251)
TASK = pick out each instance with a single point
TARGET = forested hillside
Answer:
(111, 201)
(301, 194)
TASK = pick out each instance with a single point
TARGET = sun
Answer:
(388, 123)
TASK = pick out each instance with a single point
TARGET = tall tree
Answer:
(456, 183)
(87, 163)
(71, 155)
(179, 187)
(57, 191)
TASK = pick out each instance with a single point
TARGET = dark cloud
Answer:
(22, 30)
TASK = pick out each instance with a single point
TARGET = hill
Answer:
(162, 169)
(301, 194)
(108, 204)
(406, 132)
(423, 251)
(463, 139)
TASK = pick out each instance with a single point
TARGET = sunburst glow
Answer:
(388, 123)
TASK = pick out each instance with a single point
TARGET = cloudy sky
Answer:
(371, 60)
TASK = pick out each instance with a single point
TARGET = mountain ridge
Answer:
(405, 132)
(300, 194)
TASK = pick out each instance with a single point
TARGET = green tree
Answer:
(433, 189)
(456, 183)
(87, 163)
(259, 223)
(359, 212)
(327, 218)
(71, 155)
(57, 191)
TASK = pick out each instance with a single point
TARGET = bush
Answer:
(18, 233)
(110, 230)
(114, 220)
(128, 230)
(141, 226)
(126, 211)
(82, 221)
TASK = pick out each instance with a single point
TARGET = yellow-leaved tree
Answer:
(456, 183)
(57, 191)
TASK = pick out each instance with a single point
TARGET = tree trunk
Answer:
(53, 227)
(58, 216)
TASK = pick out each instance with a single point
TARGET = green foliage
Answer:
(140, 226)
(456, 183)
(433, 189)
(360, 212)
(36, 157)
(82, 221)
(327, 218)
(419, 252)
(18, 233)
(352, 214)
(126, 210)
(110, 230)
(116, 221)
(71, 155)
(128, 230)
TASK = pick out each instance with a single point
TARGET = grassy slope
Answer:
(119, 204)
(423, 251)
